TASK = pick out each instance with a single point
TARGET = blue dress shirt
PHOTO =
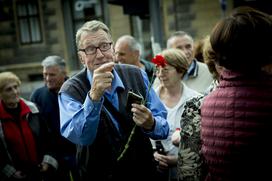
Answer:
(79, 122)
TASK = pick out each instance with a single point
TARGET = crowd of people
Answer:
(124, 118)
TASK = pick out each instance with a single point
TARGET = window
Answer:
(29, 22)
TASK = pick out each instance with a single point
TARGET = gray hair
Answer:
(91, 26)
(133, 44)
(178, 34)
(53, 61)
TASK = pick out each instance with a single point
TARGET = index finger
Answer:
(107, 67)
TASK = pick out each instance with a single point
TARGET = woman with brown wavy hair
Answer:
(236, 117)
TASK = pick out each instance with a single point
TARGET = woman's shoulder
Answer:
(32, 106)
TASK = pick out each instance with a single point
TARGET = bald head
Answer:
(127, 50)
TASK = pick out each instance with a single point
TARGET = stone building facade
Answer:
(30, 30)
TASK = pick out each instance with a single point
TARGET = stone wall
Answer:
(196, 17)
(24, 60)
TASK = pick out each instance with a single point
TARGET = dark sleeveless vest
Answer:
(99, 160)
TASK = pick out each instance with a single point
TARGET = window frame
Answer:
(29, 21)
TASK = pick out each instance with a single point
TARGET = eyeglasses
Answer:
(164, 70)
(90, 50)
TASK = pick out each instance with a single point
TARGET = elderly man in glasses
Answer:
(94, 116)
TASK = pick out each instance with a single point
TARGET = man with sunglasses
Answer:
(94, 116)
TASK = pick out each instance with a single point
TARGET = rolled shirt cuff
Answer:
(50, 160)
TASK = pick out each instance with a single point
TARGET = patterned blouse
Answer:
(190, 162)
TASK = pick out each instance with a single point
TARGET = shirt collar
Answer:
(192, 70)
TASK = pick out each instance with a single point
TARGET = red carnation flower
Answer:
(159, 61)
